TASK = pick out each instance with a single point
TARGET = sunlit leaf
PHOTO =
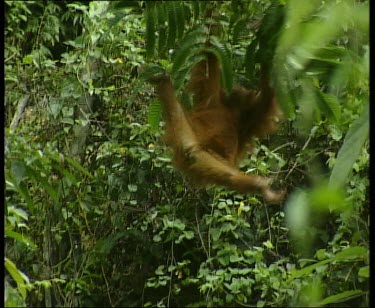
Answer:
(350, 150)
(341, 297)
(364, 272)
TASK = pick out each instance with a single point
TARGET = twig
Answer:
(199, 233)
(107, 286)
(19, 113)
(295, 163)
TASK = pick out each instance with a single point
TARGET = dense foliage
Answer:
(96, 215)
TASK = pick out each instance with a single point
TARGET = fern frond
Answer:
(204, 5)
(180, 19)
(151, 71)
(222, 53)
(328, 105)
(269, 31)
(162, 18)
(186, 100)
(180, 76)
(172, 24)
(187, 13)
(251, 59)
(154, 115)
(162, 40)
(150, 31)
(161, 14)
(238, 29)
(196, 9)
(193, 40)
(118, 5)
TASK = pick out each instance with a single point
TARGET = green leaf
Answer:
(154, 115)
(351, 148)
(364, 272)
(22, 190)
(180, 19)
(77, 166)
(235, 259)
(27, 59)
(162, 17)
(308, 269)
(55, 108)
(182, 74)
(160, 270)
(329, 105)
(132, 187)
(18, 171)
(269, 31)
(14, 211)
(172, 24)
(151, 71)
(106, 244)
(297, 212)
(21, 238)
(268, 244)
(324, 198)
(189, 234)
(352, 253)
(222, 53)
(21, 279)
(238, 29)
(125, 4)
(196, 9)
(348, 254)
(150, 30)
(43, 181)
(192, 43)
(13, 298)
(215, 233)
(341, 297)
(224, 260)
(69, 121)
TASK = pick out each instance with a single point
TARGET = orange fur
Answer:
(209, 140)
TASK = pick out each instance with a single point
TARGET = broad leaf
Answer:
(350, 150)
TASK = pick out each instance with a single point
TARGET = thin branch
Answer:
(107, 286)
(199, 233)
(19, 113)
(296, 163)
